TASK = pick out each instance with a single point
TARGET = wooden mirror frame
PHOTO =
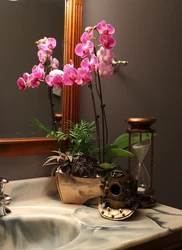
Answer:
(70, 96)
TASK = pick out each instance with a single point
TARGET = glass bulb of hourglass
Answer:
(140, 172)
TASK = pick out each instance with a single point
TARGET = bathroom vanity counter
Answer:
(154, 228)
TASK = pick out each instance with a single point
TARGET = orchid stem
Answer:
(104, 125)
(103, 114)
(52, 107)
(96, 119)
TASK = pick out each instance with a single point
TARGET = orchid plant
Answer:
(42, 71)
(96, 51)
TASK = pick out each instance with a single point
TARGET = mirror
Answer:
(70, 96)
(22, 23)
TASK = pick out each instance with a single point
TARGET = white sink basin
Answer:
(40, 221)
(36, 231)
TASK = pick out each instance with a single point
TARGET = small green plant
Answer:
(81, 136)
(79, 165)
(81, 159)
(49, 133)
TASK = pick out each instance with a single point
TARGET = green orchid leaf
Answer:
(116, 152)
(109, 146)
(107, 166)
(123, 140)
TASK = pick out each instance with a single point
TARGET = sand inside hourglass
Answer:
(140, 150)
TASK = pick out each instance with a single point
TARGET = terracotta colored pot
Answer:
(78, 190)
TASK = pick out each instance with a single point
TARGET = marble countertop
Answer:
(39, 197)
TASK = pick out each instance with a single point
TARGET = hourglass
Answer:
(140, 173)
(140, 143)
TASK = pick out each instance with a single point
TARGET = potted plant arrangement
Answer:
(89, 158)
(79, 174)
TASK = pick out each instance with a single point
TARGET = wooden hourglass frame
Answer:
(142, 126)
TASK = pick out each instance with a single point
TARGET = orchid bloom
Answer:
(46, 44)
(27, 79)
(108, 42)
(54, 63)
(90, 30)
(26, 76)
(55, 78)
(38, 71)
(84, 49)
(33, 81)
(105, 70)
(105, 55)
(87, 35)
(104, 28)
(43, 55)
(21, 83)
(90, 65)
(70, 74)
(84, 76)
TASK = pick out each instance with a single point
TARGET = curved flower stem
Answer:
(95, 77)
(47, 70)
(105, 120)
(104, 124)
(103, 114)
(106, 128)
(52, 107)
(96, 86)
(96, 119)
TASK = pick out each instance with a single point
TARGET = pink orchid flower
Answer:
(70, 74)
(43, 55)
(84, 76)
(54, 63)
(56, 81)
(87, 35)
(104, 28)
(105, 70)
(21, 83)
(26, 76)
(55, 78)
(84, 49)
(90, 65)
(89, 29)
(49, 80)
(108, 42)
(39, 67)
(33, 81)
(47, 44)
(105, 55)
(38, 71)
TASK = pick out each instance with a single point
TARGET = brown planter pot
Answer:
(77, 190)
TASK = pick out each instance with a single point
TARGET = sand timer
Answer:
(141, 143)
(140, 148)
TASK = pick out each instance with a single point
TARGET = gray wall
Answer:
(22, 23)
(148, 35)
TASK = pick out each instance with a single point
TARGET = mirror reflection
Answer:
(22, 23)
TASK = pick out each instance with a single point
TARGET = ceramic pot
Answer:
(78, 190)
